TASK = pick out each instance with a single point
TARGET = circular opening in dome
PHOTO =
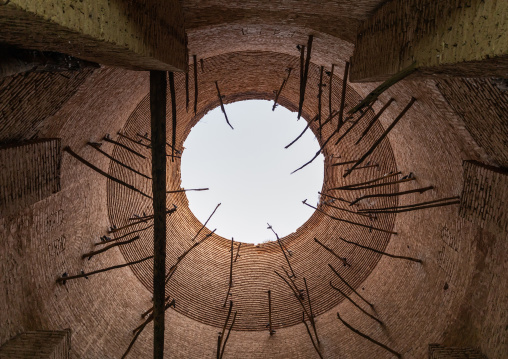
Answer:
(248, 171)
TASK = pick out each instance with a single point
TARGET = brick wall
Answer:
(38, 344)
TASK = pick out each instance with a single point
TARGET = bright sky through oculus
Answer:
(248, 170)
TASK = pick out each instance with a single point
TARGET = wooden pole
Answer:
(238, 251)
(301, 134)
(302, 71)
(312, 339)
(356, 305)
(387, 131)
(125, 235)
(188, 190)
(395, 194)
(195, 84)
(187, 91)
(222, 104)
(132, 140)
(227, 336)
(277, 94)
(387, 175)
(369, 338)
(204, 225)
(344, 261)
(283, 251)
(96, 147)
(320, 93)
(377, 185)
(337, 198)
(296, 295)
(317, 153)
(173, 112)
(353, 125)
(149, 140)
(330, 91)
(305, 75)
(107, 139)
(374, 119)
(98, 170)
(380, 252)
(65, 279)
(158, 86)
(270, 312)
(343, 96)
(221, 335)
(347, 210)
(92, 253)
(313, 323)
(412, 206)
(230, 274)
(346, 283)
(344, 163)
(350, 222)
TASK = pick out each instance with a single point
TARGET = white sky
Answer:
(248, 170)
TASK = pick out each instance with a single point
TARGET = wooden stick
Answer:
(353, 125)
(302, 71)
(344, 163)
(238, 251)
(132, 140)
(188, 190)
(204, 225)
(222, 104)
(313, 323)
(418, 208)
(98, 170)
(312, 339)
(167, 144)
(92, 253)
(64, 279)
(380, 252)
(356, 305)
(187, 91)
(195, 84)
(346, 283)
(221, 335)
(373, 147)
(330, 92)
(317, 153)
(343, 96)
(374, 119)
(366, 166)
(296, 295)
(125, 235)
(227, 336)
(344, 260)
(347, 210)
(277, 94)
(158, 86)
(107, 139)
(337, 198)
(270, 312)
(230, 275)
(418, 190)
(378, 185)
(385, 176)
(117, 161)
(320, 93)
(151, 308)
(369, 338)
(172, 92)
(301, 134)
(383, 87)
(410, 205)
(350, 222)
(305, 75)
(282, 249)
(219, 341)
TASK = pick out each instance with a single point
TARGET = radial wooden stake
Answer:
(366, 166)
(383, 87)
(204, 225)
(380, 252)
(227, 336)
(132, 140)
(302, 70)
(387, 131)
(188, 190)
(173, 112)
(107, 139)
(317, 153)
(172, 270)
(350, 222)
(356, 305)
(344, 163)
(65, 279)
(414, 207)
(353, 125)
(89, 255)
(140, 220)
(301, 134)
(354, 185)
(187, 91)
(343, 97)
(125, 235)
(96, 147)
(296, 295)
(277, 94)
(230, 275)
(221, 335)
(369, 338)
(270, 312)
(320, 94)
(238, 251)
(312, 339)
(378, 184)
(336, 198)
(330, 91)
(158, 86)
(395, 194)
(305, 75)
(282, 249)
(151, 308)
(195, 84)
(348, 211)
(313, 323)
(374, 119)
(344, 261)
(149, 140)
(222, 104)
(98, 170)
(346, 283)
